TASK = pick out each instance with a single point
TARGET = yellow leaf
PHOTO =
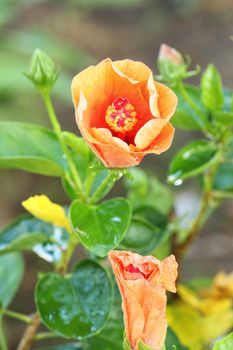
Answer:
(42, 208)
(217, 324)
(187, 324)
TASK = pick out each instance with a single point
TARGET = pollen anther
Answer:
(121, 115)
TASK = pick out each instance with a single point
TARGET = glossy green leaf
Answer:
(224, 118)
(77, 305)
(191, 161)
(185, 117)
(101, 227)
(114, 327)
(30, 233)
(224, 344)
(141, 237)
(212, 94)
(11, 274)
(172, 340)
(152, 215)
(31, 148)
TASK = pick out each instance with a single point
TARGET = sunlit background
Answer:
(76, 33)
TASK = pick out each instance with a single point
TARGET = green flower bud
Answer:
(42, 71)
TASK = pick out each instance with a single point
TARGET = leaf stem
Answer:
(45, 335)
(3, 343)
(16, 315)
(106, 185)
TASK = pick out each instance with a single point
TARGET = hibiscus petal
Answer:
(148, 133)
(167, 101)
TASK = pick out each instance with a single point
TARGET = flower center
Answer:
(121, 115)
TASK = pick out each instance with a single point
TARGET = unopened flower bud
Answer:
(172, 65)
(168, 53)
(43, 72)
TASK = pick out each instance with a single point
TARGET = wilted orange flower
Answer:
(143, 281)
(167, 52)
(122, 112)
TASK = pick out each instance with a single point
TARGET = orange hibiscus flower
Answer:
(143, 281)
(122, 113)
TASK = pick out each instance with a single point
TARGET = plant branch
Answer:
(29, 334)
(208, 204)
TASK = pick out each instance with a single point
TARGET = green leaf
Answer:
(224, 344)
(224, 118)
(172, 340)
(146, 190)
(115, 327)
(185, 117)
(30, 233)
(77, 305)
(141, 237)
(212, 94)
(101, 227)
(142, 346)
(11, 274)
(152, 215)
(192, 160)
(31, 148)
(62, 347)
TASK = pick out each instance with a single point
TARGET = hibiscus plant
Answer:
(133, 244)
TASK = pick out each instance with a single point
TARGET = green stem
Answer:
(57, 129)
(3, 343)
(67, 254)
(16, 315)
(207, 205)
(106, 185)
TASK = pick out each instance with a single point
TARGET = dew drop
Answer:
(178, 182)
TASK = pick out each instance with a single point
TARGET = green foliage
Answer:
(29, 233)
(145, 190)
(141, 237)
(212, 94)
(77, 305)
(185, 116)
(31, 148)
(192, 160)
(62, 347)
(101, 227)
(224, 344)
(114, 326)
(11, 272)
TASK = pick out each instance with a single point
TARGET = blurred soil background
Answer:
(76, 33)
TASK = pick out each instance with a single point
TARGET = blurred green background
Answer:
(76, 33)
